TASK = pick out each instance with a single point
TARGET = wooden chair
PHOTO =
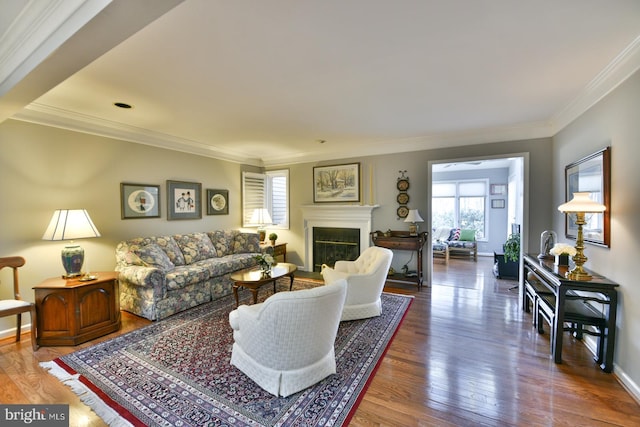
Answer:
(17, 306)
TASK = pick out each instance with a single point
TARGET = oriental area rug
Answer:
(177, 372)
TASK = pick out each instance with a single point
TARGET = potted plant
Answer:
(273, 237)
(512, 248)
(508, 263)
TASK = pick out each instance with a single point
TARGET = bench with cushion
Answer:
(459, 242)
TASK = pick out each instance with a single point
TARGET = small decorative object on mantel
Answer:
(548, 239)
(562, 252)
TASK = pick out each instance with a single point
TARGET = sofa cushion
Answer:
(223, 240)
(153, 256)
(195, 247)
(186, 275)
(171, 248)
(246, 243)
(467, 235)
(454, 235)
(461, 244)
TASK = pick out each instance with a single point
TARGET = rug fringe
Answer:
(89, 398)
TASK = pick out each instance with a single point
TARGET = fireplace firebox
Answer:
(331, 244)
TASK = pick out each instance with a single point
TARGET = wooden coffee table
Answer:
(252, 279)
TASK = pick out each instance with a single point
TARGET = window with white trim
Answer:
(460, 204)
(269, 190)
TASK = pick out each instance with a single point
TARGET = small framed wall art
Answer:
(497, 204)
(498, 189)
(217, 202)
(139, 200)
(184, 200)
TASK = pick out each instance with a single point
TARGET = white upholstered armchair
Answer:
(365, 281)
(286, 343)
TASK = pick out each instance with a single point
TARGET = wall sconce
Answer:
(261, 217)
(580, 205)
(413, 216)
(69, 224)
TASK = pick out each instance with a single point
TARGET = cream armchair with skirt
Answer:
(286, 343)
(365, 279)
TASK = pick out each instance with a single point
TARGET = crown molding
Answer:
(525, 131)
(58, 118)
(618, 70)
(39, 28)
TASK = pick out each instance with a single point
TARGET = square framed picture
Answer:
(184, 200)
(139, 201)
(217, 202)
(337, 183)
(498, 189)
(497, 204)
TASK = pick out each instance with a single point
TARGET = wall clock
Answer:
(403, 198)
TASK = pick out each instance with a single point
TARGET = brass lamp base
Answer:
(578, 275)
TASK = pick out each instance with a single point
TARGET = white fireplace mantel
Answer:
(335, 216)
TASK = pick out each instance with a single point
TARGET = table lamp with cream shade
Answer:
(71, 224)
(261, 218)
(580, 205)
(413, 217)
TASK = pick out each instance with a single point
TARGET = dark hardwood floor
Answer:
(465, 356)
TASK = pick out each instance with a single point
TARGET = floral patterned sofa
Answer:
(160, 276)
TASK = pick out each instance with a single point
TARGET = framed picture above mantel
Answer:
(336, 183)
(591, 174)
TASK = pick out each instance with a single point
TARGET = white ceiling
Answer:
(263, 82)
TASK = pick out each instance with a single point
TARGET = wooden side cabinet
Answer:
(71, 311)
(279, 251)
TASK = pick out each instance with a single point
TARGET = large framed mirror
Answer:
(591, 174)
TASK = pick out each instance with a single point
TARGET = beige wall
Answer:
(612, 122)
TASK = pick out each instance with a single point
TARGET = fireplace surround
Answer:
(335, 216)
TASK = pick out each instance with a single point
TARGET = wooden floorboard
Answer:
(465, 355)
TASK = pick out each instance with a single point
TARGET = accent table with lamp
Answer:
(79, 306)
(579, 297)
(402, 240)
(76, 310)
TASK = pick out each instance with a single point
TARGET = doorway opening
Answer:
(483, 194)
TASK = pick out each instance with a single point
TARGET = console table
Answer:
(601, 290)
(401, 240)
(72, 311)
